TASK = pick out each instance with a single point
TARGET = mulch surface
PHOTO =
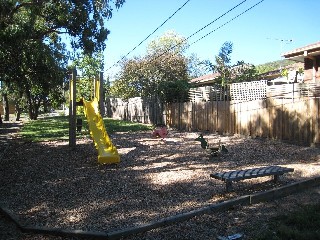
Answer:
(48, 184)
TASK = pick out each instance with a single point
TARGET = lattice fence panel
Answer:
(248, 91)
(209, 93)
(294, 90)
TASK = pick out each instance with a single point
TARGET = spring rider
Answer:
(160, 131)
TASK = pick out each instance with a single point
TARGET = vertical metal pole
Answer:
(101, 95)
(72, 110)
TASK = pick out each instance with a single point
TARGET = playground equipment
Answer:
(213, 151)
(160, 131)
(107, 152)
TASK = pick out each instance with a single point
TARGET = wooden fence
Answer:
(294, 121)
(288, 116)
(136, 110)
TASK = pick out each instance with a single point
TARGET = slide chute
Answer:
(107, 152)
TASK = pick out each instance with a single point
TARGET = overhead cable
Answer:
(150, 34)
(216, 19)
(206, 35)
(222, 15)
(232, 19)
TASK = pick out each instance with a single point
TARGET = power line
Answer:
(206, 35)
(282, 40)
(232, 19)
(150, 34)
(210, 24)
(216, 19)
(231, 9)
(287, 41)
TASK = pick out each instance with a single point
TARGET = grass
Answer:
(57, 128)
(302, 224)
(113, 126)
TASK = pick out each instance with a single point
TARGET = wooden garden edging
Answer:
(244, 200)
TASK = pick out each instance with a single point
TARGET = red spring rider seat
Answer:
(160, 131)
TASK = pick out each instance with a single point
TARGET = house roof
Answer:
(299, 54)
(209, 78)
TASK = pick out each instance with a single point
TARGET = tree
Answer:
(38, 77)
(11, 92)
(90, 67)
(169, 80)
(273, 66)
(45, 71)
(174, 91)
(240, 72)
(196, 67)
(27, 21)
(222, 63)
(31, 30)
(107, 87)
(243, 72)
(37, 20)
(5, 101)
(163, 68)
(170, 41)
(130, 80)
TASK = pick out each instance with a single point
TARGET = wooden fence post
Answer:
(316, 116)
(101, 95)
(72, 109)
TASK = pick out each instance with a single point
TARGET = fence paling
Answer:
(283, 119)
(315, 121)
(276, 119)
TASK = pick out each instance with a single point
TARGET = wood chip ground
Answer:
(47, 184)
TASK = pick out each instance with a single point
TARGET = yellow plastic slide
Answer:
(107, 152)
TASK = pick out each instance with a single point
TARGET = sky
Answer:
(259, 35)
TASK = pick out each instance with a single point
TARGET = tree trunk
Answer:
(45, 106)
(30, 103)
(34, 108)
(17, 106)
(5, 106)
(18, 111)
